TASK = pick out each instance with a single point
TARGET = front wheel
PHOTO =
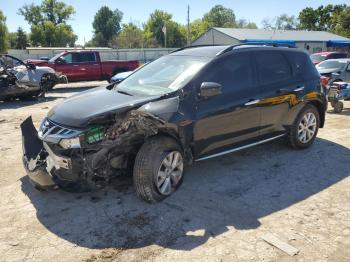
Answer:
(305, 128)
(158, 169)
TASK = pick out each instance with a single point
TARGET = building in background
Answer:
(312, 41)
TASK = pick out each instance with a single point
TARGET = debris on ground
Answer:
(285, 247)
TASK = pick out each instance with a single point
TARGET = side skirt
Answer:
(240, 148)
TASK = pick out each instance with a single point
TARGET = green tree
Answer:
(175, 33)
(106, 25)
(21, 39)
(281, 22)
(49, 23)
(198, 27)
(308, 18)
(342, 23)
(322, 18)
(3, 32)
(11, 40)
(286, 22)
(130, 37)
(154, 25)
(242, 23)
(220, 16)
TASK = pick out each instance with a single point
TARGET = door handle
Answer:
(299, 89)
(252, 102)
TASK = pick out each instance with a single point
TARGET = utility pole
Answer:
(164, 31)
(188, 26)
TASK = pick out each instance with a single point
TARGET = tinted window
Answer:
(302, 65)
(335, 56)
(86, 57)
(233, 72)
(272, 67)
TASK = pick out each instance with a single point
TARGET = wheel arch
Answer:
(187, 151)
(321, 110)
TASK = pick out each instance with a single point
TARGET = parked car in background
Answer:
(25, 80)
(334, 70)
(120, 77)
(86, 65)
(320, 57)
(193, 104)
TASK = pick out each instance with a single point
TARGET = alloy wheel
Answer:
(307, 127)
(169, 173)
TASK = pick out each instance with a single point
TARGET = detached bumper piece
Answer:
(34, 157)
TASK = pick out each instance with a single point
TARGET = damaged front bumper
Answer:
(40, 162)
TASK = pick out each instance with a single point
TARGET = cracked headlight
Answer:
(70, 143)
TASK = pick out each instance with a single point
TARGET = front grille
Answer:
(52, 132)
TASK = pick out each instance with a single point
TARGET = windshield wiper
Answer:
(123, 92)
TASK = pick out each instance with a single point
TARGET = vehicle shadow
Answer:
(71, 89)
(232, 191)
(345, 112)
(18, 103)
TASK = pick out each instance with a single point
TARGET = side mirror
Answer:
(60, 61)
(209, 89)
(31, 66)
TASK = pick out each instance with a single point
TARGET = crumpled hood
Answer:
(328, 70)
(79, 110)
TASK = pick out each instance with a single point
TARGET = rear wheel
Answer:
(158, 169)
(338, 107)
(305, 128)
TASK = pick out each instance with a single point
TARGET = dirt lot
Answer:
(220, 213)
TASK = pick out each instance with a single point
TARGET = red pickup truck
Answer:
(85, 65)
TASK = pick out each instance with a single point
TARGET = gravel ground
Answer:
(220, 213)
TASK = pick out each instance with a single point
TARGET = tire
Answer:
(338, 107)
(296, 138)
(149, 168)
(333, 103)
(48, 81)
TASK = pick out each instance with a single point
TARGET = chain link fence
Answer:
(143, 55)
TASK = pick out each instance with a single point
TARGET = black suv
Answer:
(193, 104)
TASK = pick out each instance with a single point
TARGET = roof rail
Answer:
(232, 47)
(191, 46)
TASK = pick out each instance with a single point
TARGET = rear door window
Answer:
(234, 73)
(272, 67)
(86, 57)
(302, 66)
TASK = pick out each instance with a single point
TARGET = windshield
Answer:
(52, 60)
(165, 75)
(332, 64)
(317, 58)
(8, 61)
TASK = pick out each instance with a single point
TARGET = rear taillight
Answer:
(325, 80)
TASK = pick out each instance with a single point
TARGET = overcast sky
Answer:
(137, 11)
